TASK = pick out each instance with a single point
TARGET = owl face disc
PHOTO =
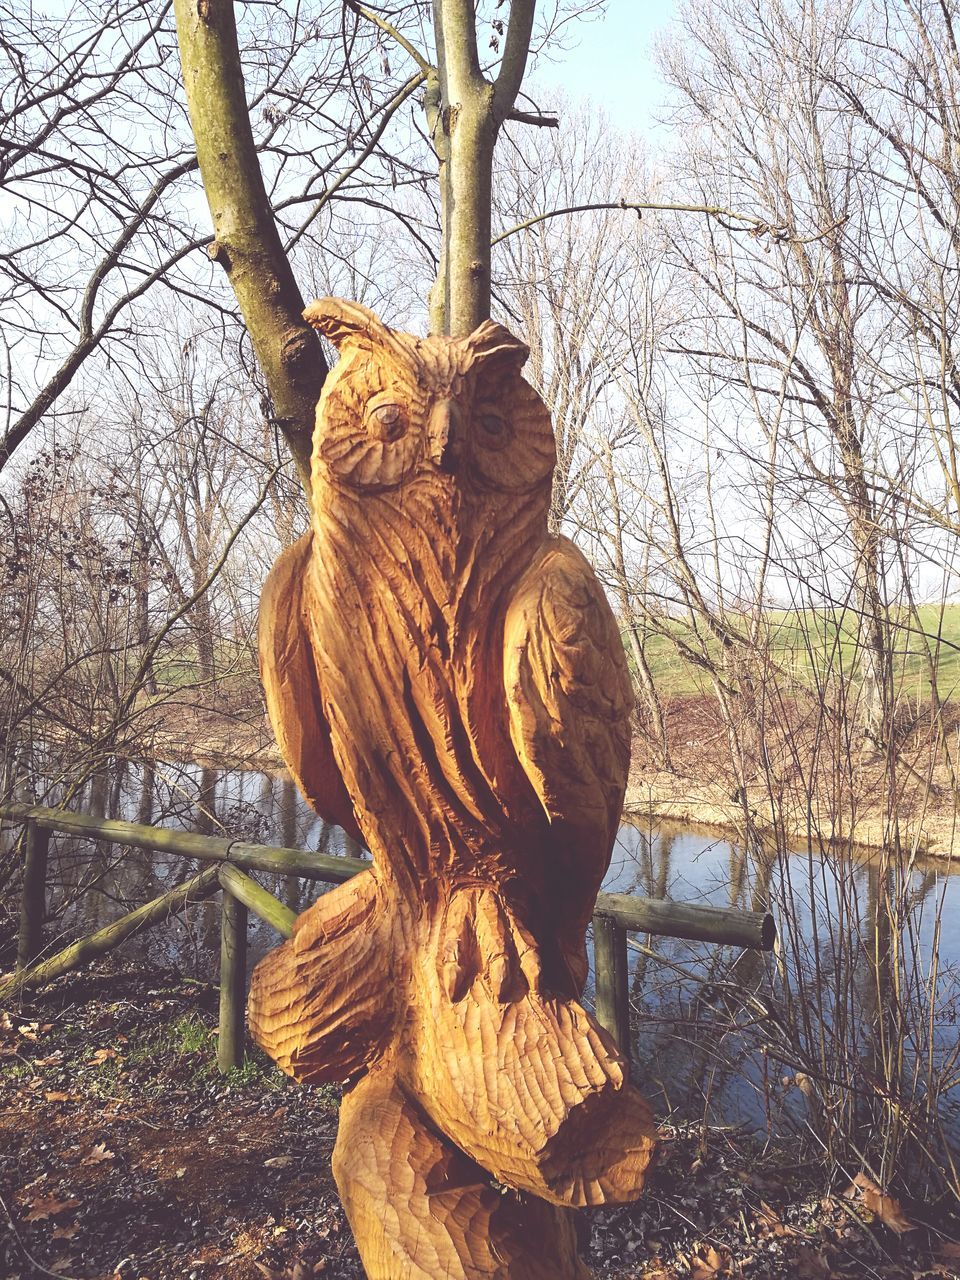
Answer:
(455, 412)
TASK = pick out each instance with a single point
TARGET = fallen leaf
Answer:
(770, 1222)
(98, 1154)
(65, 1233)
(811, 1265)
(53, 1096)
(886, 1208)
(708, 1263)
(48, 1206)
(102, 1055)
(278, 1162)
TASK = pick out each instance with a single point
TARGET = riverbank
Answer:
(127, 1157)
(846, 807)
(811, 788)
(931, 832)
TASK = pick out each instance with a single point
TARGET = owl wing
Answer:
(569, 698)
(292, 689)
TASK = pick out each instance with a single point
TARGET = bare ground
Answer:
(125, 1156)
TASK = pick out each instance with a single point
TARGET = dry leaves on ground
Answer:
(48, 1207)
(98, 1154)
(102, 1055)
(863, 1190)
(710, 1264)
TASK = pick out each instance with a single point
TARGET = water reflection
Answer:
(709, 1021)
(862, 995)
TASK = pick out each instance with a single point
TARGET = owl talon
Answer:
(481, 937)
(530, 966)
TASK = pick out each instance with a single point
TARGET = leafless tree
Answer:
(103, 213)
(784, 319)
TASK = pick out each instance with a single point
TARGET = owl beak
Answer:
(444, 435)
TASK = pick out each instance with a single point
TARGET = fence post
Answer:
(610, 967)
(233, 981)
(33, 898)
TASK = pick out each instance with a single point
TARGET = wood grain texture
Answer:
(421, 1210)
(528, 1085)
(290, 683)
(324, 1004)
(450, 676)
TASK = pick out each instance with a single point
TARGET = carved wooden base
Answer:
(474, 1075)
(420, 1209)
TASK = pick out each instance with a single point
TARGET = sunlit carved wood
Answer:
(422, 1209)
(447, 679)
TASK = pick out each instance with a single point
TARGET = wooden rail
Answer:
(615, 914)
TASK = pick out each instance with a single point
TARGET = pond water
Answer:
(865, 975)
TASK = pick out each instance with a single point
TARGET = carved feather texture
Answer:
(292, 693)
(323, 1003)
(423, 1210)
(440, 668)
(530, 1086)
(570, 697)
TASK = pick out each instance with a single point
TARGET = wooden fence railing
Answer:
(615, 916)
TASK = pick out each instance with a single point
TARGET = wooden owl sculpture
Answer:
(447, 682)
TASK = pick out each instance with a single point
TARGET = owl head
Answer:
(396, 408)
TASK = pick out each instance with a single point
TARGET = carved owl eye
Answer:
(494, 431)
(387, 421)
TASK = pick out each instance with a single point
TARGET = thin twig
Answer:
(757, 226)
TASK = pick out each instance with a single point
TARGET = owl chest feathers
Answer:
(406, 602)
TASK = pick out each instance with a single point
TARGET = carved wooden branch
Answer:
(448, 681)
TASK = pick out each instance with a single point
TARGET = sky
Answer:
(611, 62)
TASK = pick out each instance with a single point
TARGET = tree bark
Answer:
(465, 113)
(246, 241)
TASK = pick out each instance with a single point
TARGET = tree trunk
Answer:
(246, 241)
(464, 113)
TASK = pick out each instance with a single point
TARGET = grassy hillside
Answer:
(815, 643)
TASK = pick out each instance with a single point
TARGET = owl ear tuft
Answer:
(491, 341)
(340, 321)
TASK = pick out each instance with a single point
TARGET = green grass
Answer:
(185, 1047)
(177, 667)
(814, 645)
